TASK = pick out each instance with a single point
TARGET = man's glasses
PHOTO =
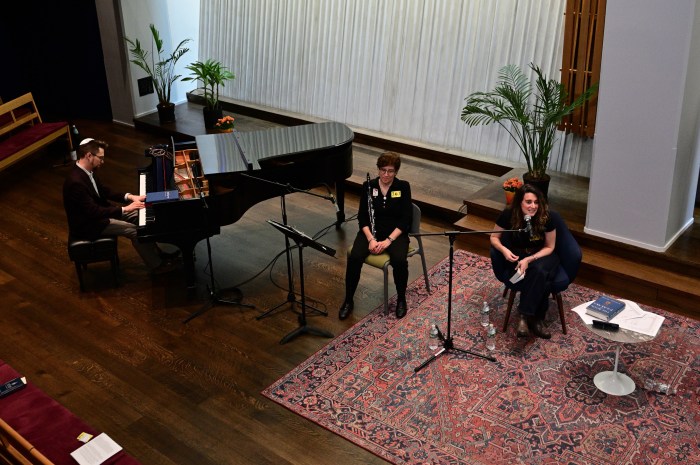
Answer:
(387, 171)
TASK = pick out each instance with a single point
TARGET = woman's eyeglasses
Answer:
(387, 171)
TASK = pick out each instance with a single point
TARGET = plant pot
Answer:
(166, 112)
(211, 116)
(509, 197)
(541, 184)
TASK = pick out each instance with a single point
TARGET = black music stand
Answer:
(291, 297)
(447, 342)
(214, 298)
(302, 240)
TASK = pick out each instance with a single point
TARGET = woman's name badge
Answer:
(395, 194)
(375, 192)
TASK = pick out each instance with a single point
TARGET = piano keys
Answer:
(304, 157)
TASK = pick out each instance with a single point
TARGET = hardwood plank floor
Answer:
(121, 358)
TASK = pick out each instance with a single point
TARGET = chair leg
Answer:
(505, 291)
(511, 299)
(386, 289)
(560, 304)
(425, 270)
(79, 270)
(115, 270)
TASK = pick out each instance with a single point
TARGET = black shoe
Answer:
(401, 308)
(168, 255)
(537, 328)
(346, 309)
(522, 327)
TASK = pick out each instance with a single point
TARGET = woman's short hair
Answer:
(389, 159)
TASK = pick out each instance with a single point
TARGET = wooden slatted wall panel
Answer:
(583, 43)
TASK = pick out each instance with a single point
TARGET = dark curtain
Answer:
(53, 49)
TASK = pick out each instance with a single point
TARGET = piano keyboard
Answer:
(142, 191)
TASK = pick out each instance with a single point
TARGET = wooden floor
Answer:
(121, 358)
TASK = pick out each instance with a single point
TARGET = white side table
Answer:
(613, 382)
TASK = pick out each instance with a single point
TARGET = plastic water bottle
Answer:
(491, 337)
(485, 310)
(433, 343)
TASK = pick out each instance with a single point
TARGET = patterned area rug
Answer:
(537, 404)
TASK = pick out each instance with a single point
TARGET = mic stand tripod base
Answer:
(291, 299)
(214, 299)
(447, 346)
(304, 329)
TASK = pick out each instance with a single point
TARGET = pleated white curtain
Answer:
(399, 67)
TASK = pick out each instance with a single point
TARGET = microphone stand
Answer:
(214, 298)
(291, 296)
(447, 341)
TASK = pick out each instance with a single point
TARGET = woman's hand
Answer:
(510, 256)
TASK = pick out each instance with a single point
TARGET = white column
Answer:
(645, 154)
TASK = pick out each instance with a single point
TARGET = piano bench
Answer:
(83, 252)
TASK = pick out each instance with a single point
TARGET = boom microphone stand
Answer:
(214, 298)
(447, 342)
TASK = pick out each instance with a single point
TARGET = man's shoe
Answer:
(166, 266)
(537, 328)
(401, 308)
(522, 327)
(168, 255)
(346, 309)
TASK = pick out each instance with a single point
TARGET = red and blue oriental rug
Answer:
(537, 404)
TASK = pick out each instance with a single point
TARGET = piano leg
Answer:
(340, 198)
(188, 262)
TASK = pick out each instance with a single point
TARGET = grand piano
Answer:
(234, 167)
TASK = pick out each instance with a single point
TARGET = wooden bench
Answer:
(22, 131)
(37, 430)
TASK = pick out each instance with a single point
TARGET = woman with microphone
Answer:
(384, 216)
(529, 252)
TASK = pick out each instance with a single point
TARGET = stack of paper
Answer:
(632, 318)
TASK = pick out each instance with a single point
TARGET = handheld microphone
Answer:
(528, 226)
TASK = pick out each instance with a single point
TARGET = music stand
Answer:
(291, 297)
(302, 240)
(214, 298)
(447, 342)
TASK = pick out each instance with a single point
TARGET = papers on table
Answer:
(96, 451)
(632, 318)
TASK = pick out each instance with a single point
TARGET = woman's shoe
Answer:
(537, 328)
(346, 309)
(522, 327)
(401, 308)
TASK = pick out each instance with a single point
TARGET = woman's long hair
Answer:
(517, 219)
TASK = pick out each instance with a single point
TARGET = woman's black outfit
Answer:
(395, 210)
(535, 287)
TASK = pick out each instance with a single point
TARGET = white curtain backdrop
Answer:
(399, 67)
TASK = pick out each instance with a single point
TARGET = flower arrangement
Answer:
(225, 123)
(512, 184)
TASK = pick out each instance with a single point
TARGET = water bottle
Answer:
(433, 343)
(491, 337)
(485, 315)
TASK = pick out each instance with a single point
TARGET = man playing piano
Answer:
(91, 213)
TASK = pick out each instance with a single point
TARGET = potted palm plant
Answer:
(212, 74)
(160, 67)
(530, 122)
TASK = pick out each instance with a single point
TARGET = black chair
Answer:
(83, 252)
(569, 253)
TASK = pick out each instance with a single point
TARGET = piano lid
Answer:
(242, 151)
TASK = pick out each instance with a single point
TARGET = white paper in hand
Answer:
(517, 276)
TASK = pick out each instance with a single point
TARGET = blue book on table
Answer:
(605, 308)
(162, 196)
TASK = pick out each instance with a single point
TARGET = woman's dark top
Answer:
(390, 212)
(520, 243)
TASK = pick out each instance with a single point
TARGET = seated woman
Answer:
(384, 215)
(529, 252)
